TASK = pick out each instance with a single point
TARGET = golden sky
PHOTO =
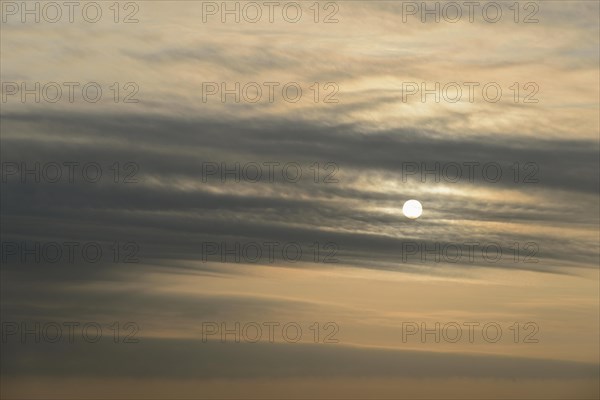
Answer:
(379, 110)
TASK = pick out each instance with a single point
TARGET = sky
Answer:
(211, 208)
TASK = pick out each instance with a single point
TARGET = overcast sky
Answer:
(363, 137)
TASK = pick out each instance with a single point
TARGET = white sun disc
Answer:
(412, 209)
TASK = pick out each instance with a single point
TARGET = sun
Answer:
(412, 209)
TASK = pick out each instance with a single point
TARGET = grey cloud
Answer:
(170, 223)
(194, 359)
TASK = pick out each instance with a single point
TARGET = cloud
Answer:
(198, 360)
